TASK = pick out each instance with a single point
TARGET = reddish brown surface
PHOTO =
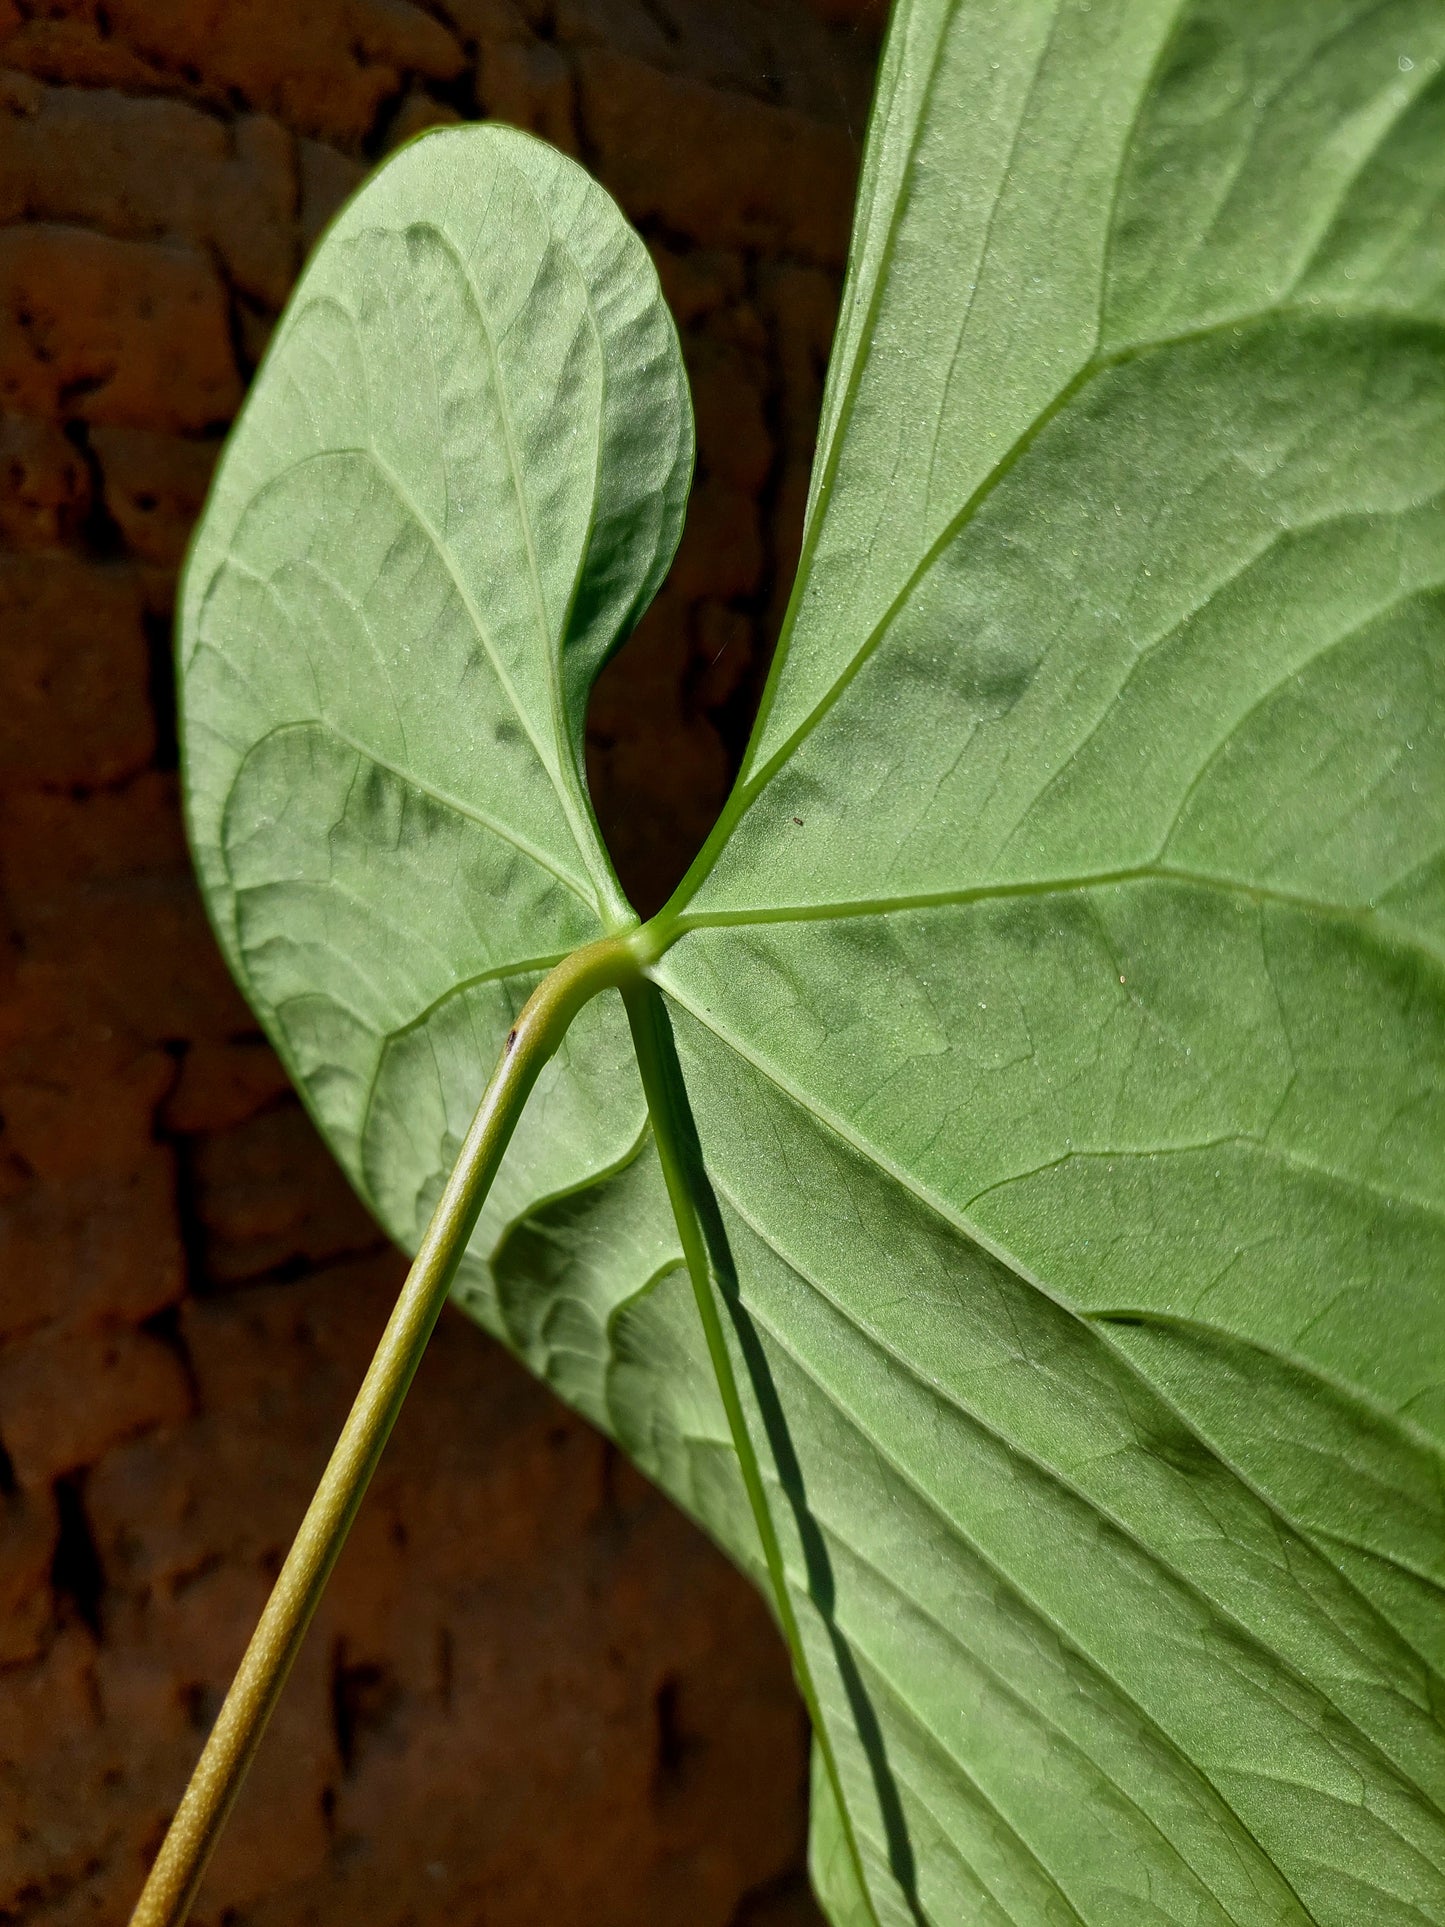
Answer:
(534, 1693)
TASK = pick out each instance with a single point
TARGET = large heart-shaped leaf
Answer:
(1041, 1064)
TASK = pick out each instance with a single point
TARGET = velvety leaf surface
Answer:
(1057, 1009)
(1076, 931)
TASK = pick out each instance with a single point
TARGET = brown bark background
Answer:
(534, 1693)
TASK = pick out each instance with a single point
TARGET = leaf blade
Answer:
(1161, 937)
(1058, 1002)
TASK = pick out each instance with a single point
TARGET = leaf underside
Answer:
(1058, 1002)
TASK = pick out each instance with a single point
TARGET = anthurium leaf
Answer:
(1050, 1035)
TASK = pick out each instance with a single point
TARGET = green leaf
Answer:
(1049, 1040)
